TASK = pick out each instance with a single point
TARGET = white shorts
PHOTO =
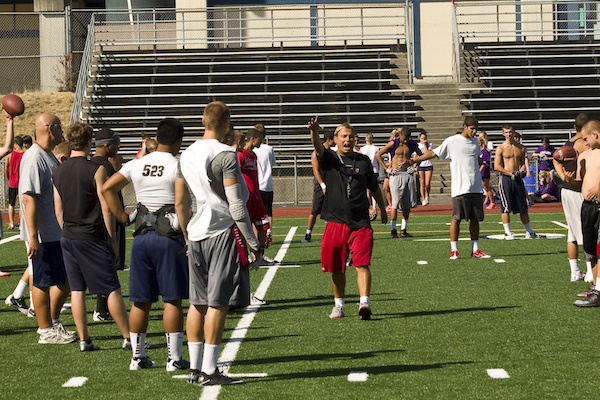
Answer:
(571, 203)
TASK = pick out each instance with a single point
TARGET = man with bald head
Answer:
(41, 232)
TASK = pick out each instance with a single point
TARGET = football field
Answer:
(497, 328)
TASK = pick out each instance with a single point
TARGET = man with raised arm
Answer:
(348, 231)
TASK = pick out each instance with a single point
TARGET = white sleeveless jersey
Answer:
(153, 177)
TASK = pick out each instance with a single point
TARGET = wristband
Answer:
(323, 186)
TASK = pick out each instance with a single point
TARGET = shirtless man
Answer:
(588, 174)
(510, 163)
(402, 181)
(571, 199)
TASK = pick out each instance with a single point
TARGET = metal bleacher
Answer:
(539, 87)
(282, 88)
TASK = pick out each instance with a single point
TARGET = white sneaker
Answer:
(85, 346)
(578, 276)
(54, 336)
(255, 301)
(177, 365)
(509, 236)
(589, 277)
(268, 262)
(531, 235)
(337, 312)
(68, 335)
(138, 363)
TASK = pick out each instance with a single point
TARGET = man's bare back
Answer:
(588, 170)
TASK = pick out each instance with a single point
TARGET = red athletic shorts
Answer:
(258, 214)
(339, 241)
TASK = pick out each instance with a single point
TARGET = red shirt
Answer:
(249, 166)
(13, 168)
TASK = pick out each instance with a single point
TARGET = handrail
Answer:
(84, 71)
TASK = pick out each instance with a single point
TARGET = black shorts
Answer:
(267, 199)
(90, 264)
(12, 196)
(590, 222)
(317, 200)
(513, 195)
(48, 266)
(468, 206)
(428, 168)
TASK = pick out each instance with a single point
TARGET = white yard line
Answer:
(9, 239)
(358, 376)
(561, 224)
(76, 381)
(239, 333)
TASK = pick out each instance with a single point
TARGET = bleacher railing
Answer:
(84, 71)
(253, 26)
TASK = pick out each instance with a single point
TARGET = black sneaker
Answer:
(307, 238)
(405, 234)
(218, 379)
(593, 300)
(138, 363)
(394, 234)
(100, 317)
(194, 377)
(19, 304)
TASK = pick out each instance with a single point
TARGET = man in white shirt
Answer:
(467, 188)
(266, 161)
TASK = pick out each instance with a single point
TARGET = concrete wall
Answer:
(436, 39)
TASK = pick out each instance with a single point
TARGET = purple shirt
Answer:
(549, 188)
(486, 157)
(545, 165)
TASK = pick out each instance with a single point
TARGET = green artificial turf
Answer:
(436, 330)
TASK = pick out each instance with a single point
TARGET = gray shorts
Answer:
(403, 190)
(571, 202)
(216, 277)
(468, 206)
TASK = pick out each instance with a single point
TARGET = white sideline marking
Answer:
(239, 333)
(498, 373)
(499, 260)
(76, 381)
(561, 224)
(9, 239)
(281, 266)
(422, 262)
(438, 239)
(358, 376)
(257, 375)
(521, 236)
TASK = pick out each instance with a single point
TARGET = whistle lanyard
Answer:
(350, 175)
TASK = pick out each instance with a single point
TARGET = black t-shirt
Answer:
(354, 173)
(82, 213)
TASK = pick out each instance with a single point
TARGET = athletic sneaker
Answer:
(54, 336)
(587, 293)
(593, 300)
(19, 304)
(138, 363)
(531, 235)
(405, 234)
(394, 234)
(99, 317)
(4, 274)
(577, 276)
(68, 335)
(364, 312)
(268, 262)
(194, 377)
(85, 346)
(491, 206)
(218, 379)
(255, 301)
(337, 312)
(307, 238)
(454, 255)
(479, 254)
(31, 312)
(509, 236)
(177, 365)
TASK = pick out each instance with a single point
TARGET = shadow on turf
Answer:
(388, 369)
(440, 312)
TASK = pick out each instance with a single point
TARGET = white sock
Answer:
(19, 292)
(574, 264)
(338, 301)
(588, 265)
(364, 300)
(528, 227)
(195, 350)
(31, 300)
(506, 228)
(474, 245)
(308, 231)
(597, 285)
(403, 224)
(394, 224)
(174, 343)
(209, 360)
(138, 344)
(453, 246)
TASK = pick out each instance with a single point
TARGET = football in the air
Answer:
(565, 154)
(13, 105)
